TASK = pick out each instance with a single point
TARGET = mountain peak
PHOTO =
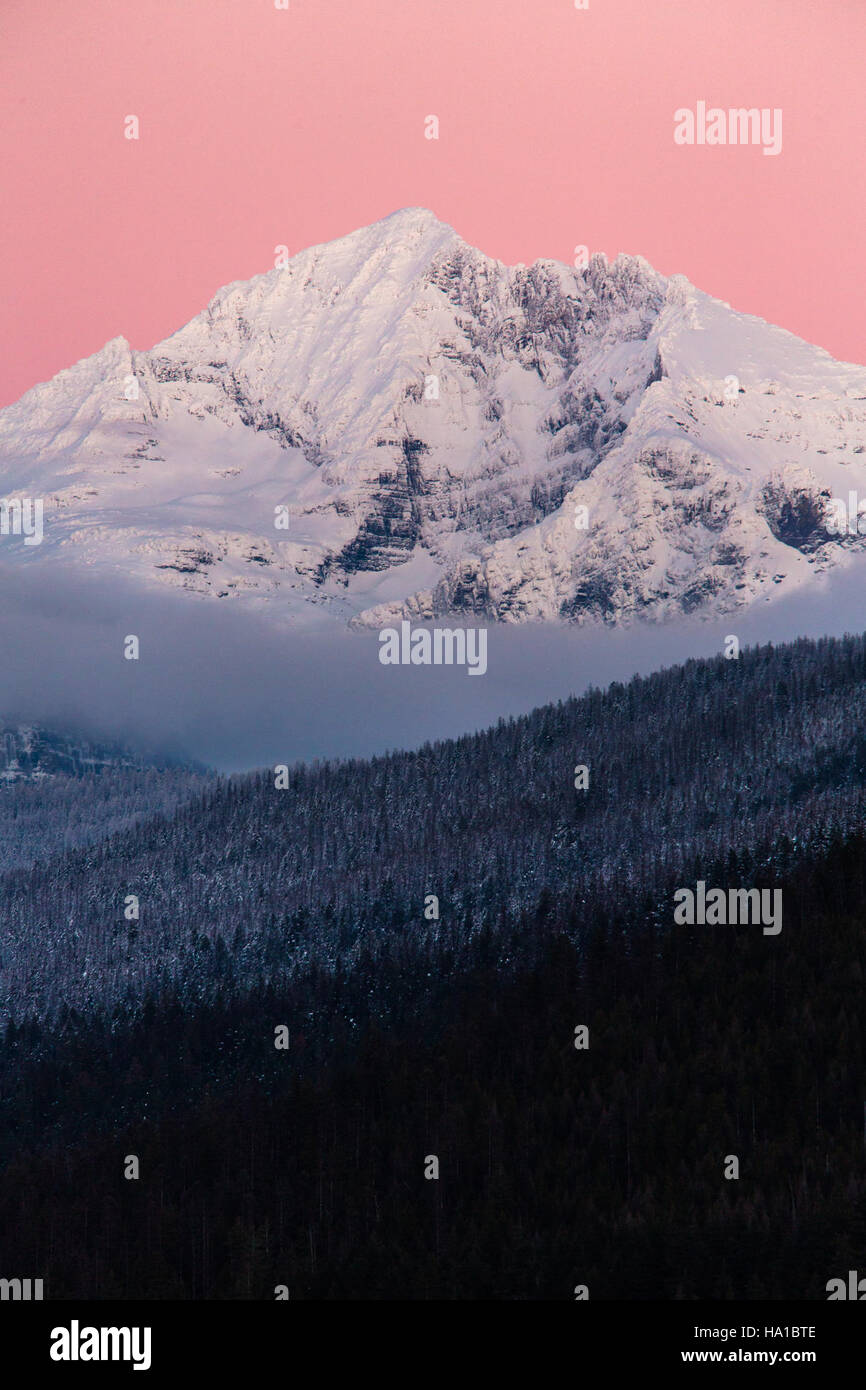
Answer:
(412, 217)
(446, 434)
(403, 236)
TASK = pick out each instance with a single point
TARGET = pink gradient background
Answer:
(261, 126)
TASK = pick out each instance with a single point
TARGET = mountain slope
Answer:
(433, 422)
(59, 791)
(762, 759)
(303, 908)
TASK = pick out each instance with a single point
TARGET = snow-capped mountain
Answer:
(396, 424)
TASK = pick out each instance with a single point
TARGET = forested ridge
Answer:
(763, 757)
(558, 1166)
(455, 1037)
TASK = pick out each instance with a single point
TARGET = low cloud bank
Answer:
(233, 690)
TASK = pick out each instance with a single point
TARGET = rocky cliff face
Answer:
(395, 424)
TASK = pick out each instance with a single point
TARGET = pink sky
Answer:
(261, 126)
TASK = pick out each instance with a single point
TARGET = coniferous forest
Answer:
(468, 953)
